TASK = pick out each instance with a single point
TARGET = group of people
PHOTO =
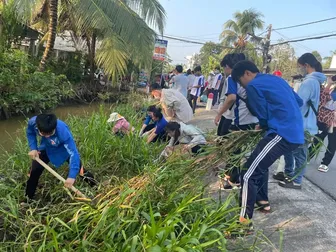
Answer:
(249, 100)
(192, 84)
(165, 123)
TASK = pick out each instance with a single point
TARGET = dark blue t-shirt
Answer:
(160, 126)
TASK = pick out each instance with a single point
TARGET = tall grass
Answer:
(138, 205)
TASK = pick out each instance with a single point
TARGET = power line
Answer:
(303, 39)
(184, 40)
(304, 24)
(203, 43)
(303, 46)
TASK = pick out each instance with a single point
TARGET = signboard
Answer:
(160, 49)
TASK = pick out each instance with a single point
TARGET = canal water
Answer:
(11, 128)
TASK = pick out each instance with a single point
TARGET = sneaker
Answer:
(323, 168)
(287, 183)
(279, 176)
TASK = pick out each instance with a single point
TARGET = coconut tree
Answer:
(237, 32)
(123, 27)
(53, 15)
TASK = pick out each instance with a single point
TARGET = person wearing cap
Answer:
(278, 73)
(122, 126)
(175, 106)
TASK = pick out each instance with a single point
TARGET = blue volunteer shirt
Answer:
(60, 147)
(148, 120)
(160, 126)
(277, 107)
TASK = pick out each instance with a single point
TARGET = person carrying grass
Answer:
(57, 146)
(280, 117)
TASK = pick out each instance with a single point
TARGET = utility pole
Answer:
(266, 47)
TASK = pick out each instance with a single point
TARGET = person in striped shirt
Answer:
(196, 88)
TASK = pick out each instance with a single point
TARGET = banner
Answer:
(160, 49)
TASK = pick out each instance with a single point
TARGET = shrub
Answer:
(24, 90)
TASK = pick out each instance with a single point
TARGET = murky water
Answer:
(9, 129)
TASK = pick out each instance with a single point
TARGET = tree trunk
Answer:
(53, 4)
(92, 58)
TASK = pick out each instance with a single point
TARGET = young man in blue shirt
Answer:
(280, 116)
(57, 146)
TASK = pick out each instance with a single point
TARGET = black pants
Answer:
(162, 137)
(193, 102)
(224, 126)
(254, 176)
(331, 148)
(234, 171)
(37, 170)
(215, 96)
(197, 149)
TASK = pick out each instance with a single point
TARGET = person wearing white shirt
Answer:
(191, 77)
(191, 138)
(236, 108)
(215, 84)
(196, 88)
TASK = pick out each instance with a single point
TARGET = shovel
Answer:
(59, 177)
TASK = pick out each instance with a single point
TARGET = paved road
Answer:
(306, 218)
(326, 181)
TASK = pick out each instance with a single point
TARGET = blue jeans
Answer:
(296, 169)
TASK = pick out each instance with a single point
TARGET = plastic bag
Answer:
(204, 98)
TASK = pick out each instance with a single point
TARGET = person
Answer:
(175, 106)
(277, 73)
(147, 125)
(280, 116)
(122, 126)
(206, 89)
(158, 80)
(309, 92)
(191, 79)
(196, 88)
(57, 146)
(214, 85)
(180, 81)
(326, 125)
(243, 119)
(189, 136)
(231, 104)
(157, 133)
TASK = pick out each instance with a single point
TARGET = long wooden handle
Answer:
(59, 177)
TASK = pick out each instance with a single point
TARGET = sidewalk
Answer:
(307, 217)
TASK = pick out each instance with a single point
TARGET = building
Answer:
(332, 70)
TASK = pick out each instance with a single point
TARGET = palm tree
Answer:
(53, 14)
(121, 26)
(237, 33)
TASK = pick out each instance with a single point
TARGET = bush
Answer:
(24, 90)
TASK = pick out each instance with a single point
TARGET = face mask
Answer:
(216, 72)
(303, 71)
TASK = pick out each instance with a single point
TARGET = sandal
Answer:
(261, 207)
